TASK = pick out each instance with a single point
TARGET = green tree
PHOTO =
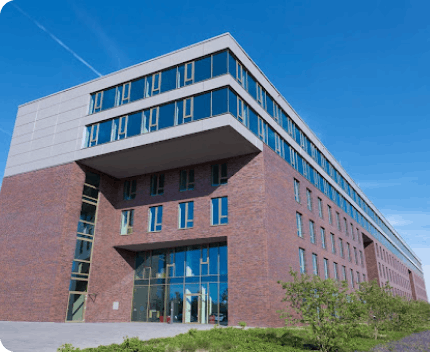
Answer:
(379, 305)
(324, 305)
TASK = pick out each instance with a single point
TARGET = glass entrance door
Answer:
(195, 309)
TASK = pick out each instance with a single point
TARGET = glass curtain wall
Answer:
(192, 279)
(78, 287)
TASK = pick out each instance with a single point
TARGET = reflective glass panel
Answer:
(134, 124)
(193, 261)
(109, 97)
(105, 131)
(137, 88)
(156, 303)
(202, 106)
(219, 101)
(202, 69)
(223, 259)
(140, 304)
(80, 267)
(168, 80)
(232, 103)
(75, 311)
(219, 64)
(166, 116)
(88, 212)
(213, 259)
(179, 261)
(78, 285)
(83, 250)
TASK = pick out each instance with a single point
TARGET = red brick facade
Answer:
(39, 212)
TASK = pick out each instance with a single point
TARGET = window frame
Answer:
(309, 199)
(323, 242)
(155, 185)
(312, 232)
(299, 224)
(222, 177)
(187, 221)
(296, 185)
(320, 210)
(220, 216)
(315, 264)
(333, 243)
(326, 269)
(129, 189)
(302, 261)
(127, 227)
(153, 222)
(189, 185)
(189, 80)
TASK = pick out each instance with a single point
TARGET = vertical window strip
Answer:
(315, 263)
(312, 231)
(299, 224)
(302, 261)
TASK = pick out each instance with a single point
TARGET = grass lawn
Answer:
(235, 339)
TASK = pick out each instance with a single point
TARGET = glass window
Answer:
(155, 218)
(219, 101)
(157, 184)
(83, 250)
(242, 111)
(355, 255)
(341, 247)
(299, 224)
(271, 137)
(137, 89)
(253, 122)
(323, 238)
(302, 261)
(223, 259)
(297, 191)
(166, 116)
(193, 256)
(105, 132)
(127, 222)
(156, 83)
(168, 81)
(252, 87)
(202, 106)
(124, 93)
(202, 69)
(329, 214)
(315, 263)
(219, 211)
(109, 98)
(336, 277)
(186, 215)
(352, 277)
(269, 107)
(309, 199)
(186, 180)
(129, 190)
(333, 243)
(343, 273)
(320, 213)
(232, 103)
(338, 221)
(231, 65)
(312, 231)
(219, 64)
(219, 174)
(326, 272)
(349, 251)
(134, 124)
(88, 212)
(189, 73)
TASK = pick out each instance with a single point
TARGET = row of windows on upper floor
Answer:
(159, 82)
(219, 216)
(358, 254)
(388, 258)
(247, 81)
(212, 66)
(213, 103)
(315, 269)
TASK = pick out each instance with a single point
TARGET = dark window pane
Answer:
(215, 174)
(202, 106)
(232, 65)
(78, 285)
(83, 227)
(83, 250)
(75, 311)
(134, 124)
(269, 103)
(252, 87)
(109, 97)
(215, 211)
(271, 137)
(232, 103)
(88, 212)
(136, 90)
(181, 76)
(253, 122)
(140, 304)
(219, 101)
(90, 192)
(202, 69)
(183, 180)
(105, 130)
(81, 267)
(168, 80)
(167, 116)
(219, 63)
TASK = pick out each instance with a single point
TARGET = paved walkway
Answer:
(47, 337)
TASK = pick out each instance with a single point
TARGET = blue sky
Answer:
(358, 74)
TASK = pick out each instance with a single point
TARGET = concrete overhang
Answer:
(138, 247)
(197, 142)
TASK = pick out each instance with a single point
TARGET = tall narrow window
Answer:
(262, 129)
(156, 83)
(302, 261)
(355, 255)
(330, 220)
(279, 146)
(241, 111)
(129, 190)
(219, 211)
(189, 73)
(127, 222)
(120, 128)
(346, 226)
(93, 134)
(315, 263)
(186, 180)
(309, 199)
(320, 211)
(299, 224)
(260, 97)
(186, 215)
(338, 221)
(352, 231)
(358, 235)
(352, 277)
(157, 184)
(326, 273)
(153, 119)
(219, 174)
(312, 231)
(98, 102)
(341, 247)
(336, 276)
(349, 251)
(155, 218)
(240, 74)
(343, 273)
(293, 159)
(323, 238)
(297, 191)
(124, 93)
(333, 244)
(358, 278)
(188, 109)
